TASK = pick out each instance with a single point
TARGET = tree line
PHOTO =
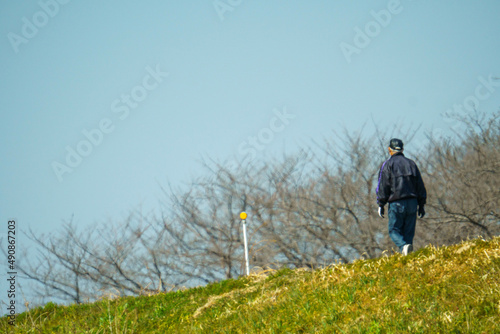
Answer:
(310, 209)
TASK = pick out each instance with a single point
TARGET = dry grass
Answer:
(434, 290)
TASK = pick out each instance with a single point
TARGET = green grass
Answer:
(434, 290)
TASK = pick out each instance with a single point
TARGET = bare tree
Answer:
(464, 192)
(59, 266)
(125, 259)
(206, 220)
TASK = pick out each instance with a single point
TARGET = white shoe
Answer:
(407, 249)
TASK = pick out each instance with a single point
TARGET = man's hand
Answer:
(381, 211)
(421, 211)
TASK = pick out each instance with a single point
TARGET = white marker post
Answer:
(243, 217)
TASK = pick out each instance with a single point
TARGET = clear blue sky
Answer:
(77, 66)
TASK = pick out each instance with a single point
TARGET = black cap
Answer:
(396, 144)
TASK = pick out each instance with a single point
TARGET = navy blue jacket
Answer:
(399, 178)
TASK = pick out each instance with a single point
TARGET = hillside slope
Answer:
(434, 290)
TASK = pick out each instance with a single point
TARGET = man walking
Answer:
(400, 184)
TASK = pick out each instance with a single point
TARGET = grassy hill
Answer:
(434, 290)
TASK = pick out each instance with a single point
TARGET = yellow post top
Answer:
(243, 215)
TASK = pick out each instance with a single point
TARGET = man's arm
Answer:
(421, 191)
(383, 185)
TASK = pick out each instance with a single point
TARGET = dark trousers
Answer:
(402, 221)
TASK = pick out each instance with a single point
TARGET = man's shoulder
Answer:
(400, 157)
(385, 164)
(401, 160)
(410, 161)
